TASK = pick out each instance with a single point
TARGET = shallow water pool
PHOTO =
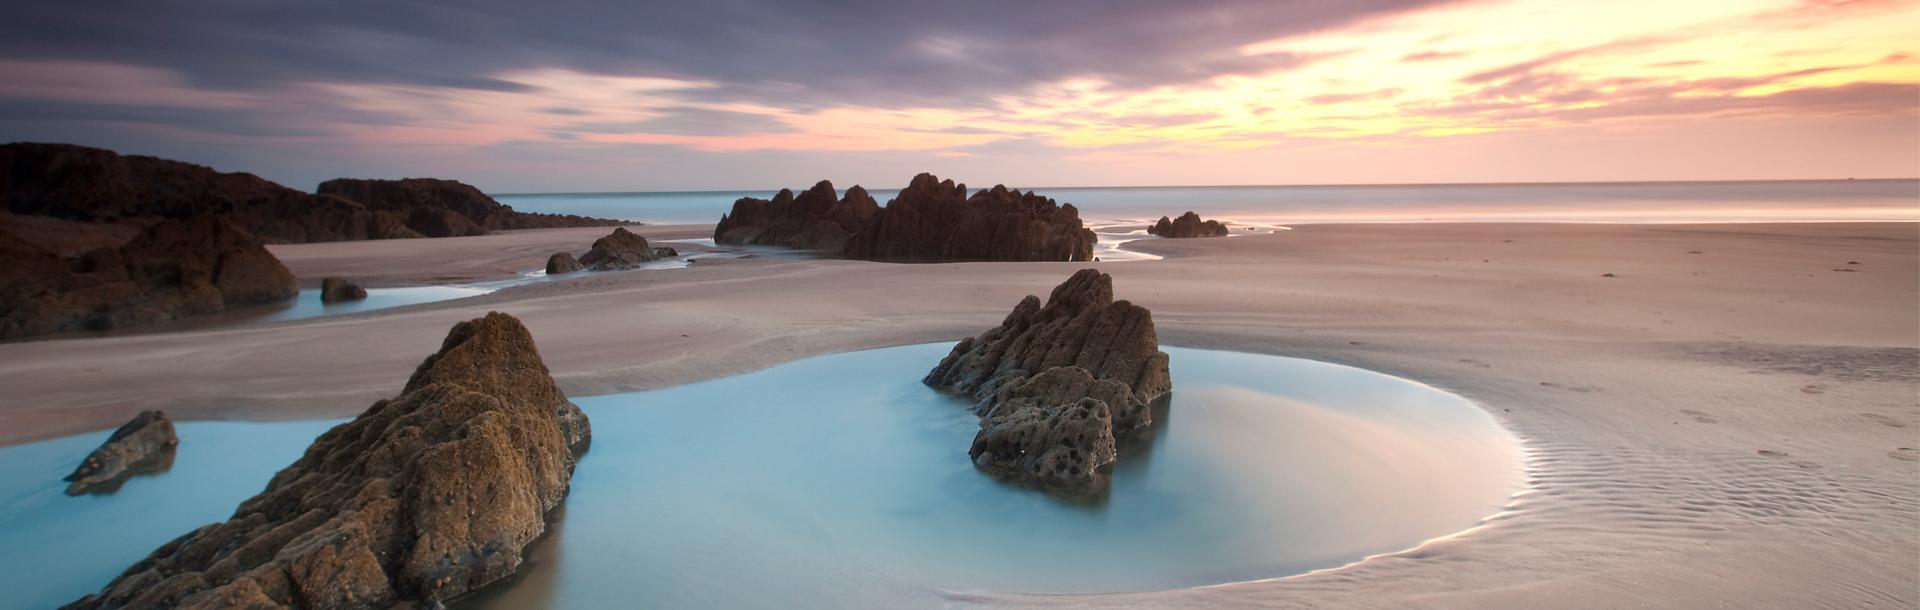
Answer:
(842, 481)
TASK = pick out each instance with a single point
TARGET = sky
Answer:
(518, 96)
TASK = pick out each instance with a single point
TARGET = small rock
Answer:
(562, 262)
(144, 444)
(334, 290)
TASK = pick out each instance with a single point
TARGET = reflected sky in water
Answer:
(842, 481)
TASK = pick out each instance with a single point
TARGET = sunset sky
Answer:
(525, 96)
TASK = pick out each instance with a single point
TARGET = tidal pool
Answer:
(842, 481)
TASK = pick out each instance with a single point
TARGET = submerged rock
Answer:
(336, 289)
(622, 249)
(1057, 384)
(562, 262)
(144, 444)
(171, 269)
(1188, 225)
(424, 497)
(814, 220)
(935, 220)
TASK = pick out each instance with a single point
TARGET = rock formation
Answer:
(562, 262)
(336, 290)
(95, 185)
(812, 221)
(446, 208)
(1056, 385)
(622, 249)
(935, 220)
(1188, 225)
(424, 497)
(169, 270)
(144, 444)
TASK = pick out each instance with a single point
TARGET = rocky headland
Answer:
(422, 498)
(143, 444)
(1057, 385)
(1186, 226)
(170, 269)
(447, 208)
(813, 220)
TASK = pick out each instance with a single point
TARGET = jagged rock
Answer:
(935, 220)
(665, 252)
(169, 270)
(622, 249)
(448, 208)
(1188, 225)
(96, 185)
(1057, 384)
(336, 289)
(144, 444)
(812, 221)
(562, 262)
(422, 498)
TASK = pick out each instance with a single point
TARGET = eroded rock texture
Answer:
(562, 262)
(339, 290)
(169, 270)
(1187, 225)
(1056, 384)
(814, 220)
(144, 444)
(935, 220)
(424, 497)
(622, 249)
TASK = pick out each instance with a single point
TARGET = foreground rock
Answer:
(620, 250)
(339, 290)
(562, 262)
(424, 497)
(935, 220)
(1187, 225)
(144, 444)
(1056, 385)
(814, 220)
(170, 270)
(96, 185)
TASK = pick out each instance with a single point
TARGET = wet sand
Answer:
(1729, 419)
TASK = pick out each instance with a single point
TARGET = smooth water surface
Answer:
(842, 481)
(1781, 201)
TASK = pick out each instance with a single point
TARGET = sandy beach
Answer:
(1717, 415)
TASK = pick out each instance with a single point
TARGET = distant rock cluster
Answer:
(618, 251)
(1187, 225)
(169, 270)
(1057, 385)
(422, 498)
(931, 220)
(144, 444)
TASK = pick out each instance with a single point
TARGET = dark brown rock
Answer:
(814, 220)
(622, 249)
(935, 220)
(336, 289)
(424, 497)
(144, 444)
(171, 269)
(562, 262)
(1056, 384)
(1188, 225)
(447, 208)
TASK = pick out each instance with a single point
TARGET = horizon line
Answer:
(1231, 186)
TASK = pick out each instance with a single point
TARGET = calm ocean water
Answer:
(1786, 201)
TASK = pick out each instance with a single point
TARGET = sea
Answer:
(1601, 202)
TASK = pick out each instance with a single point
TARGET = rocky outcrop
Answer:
(424, 497)
(339, 290)
(447, 208)
(562, 262)
(144, 444)
(95, 185)
(171, 269)
(1057, 385)
(814, 220)
(622, 249)
(1187, 225)
(935, 220)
